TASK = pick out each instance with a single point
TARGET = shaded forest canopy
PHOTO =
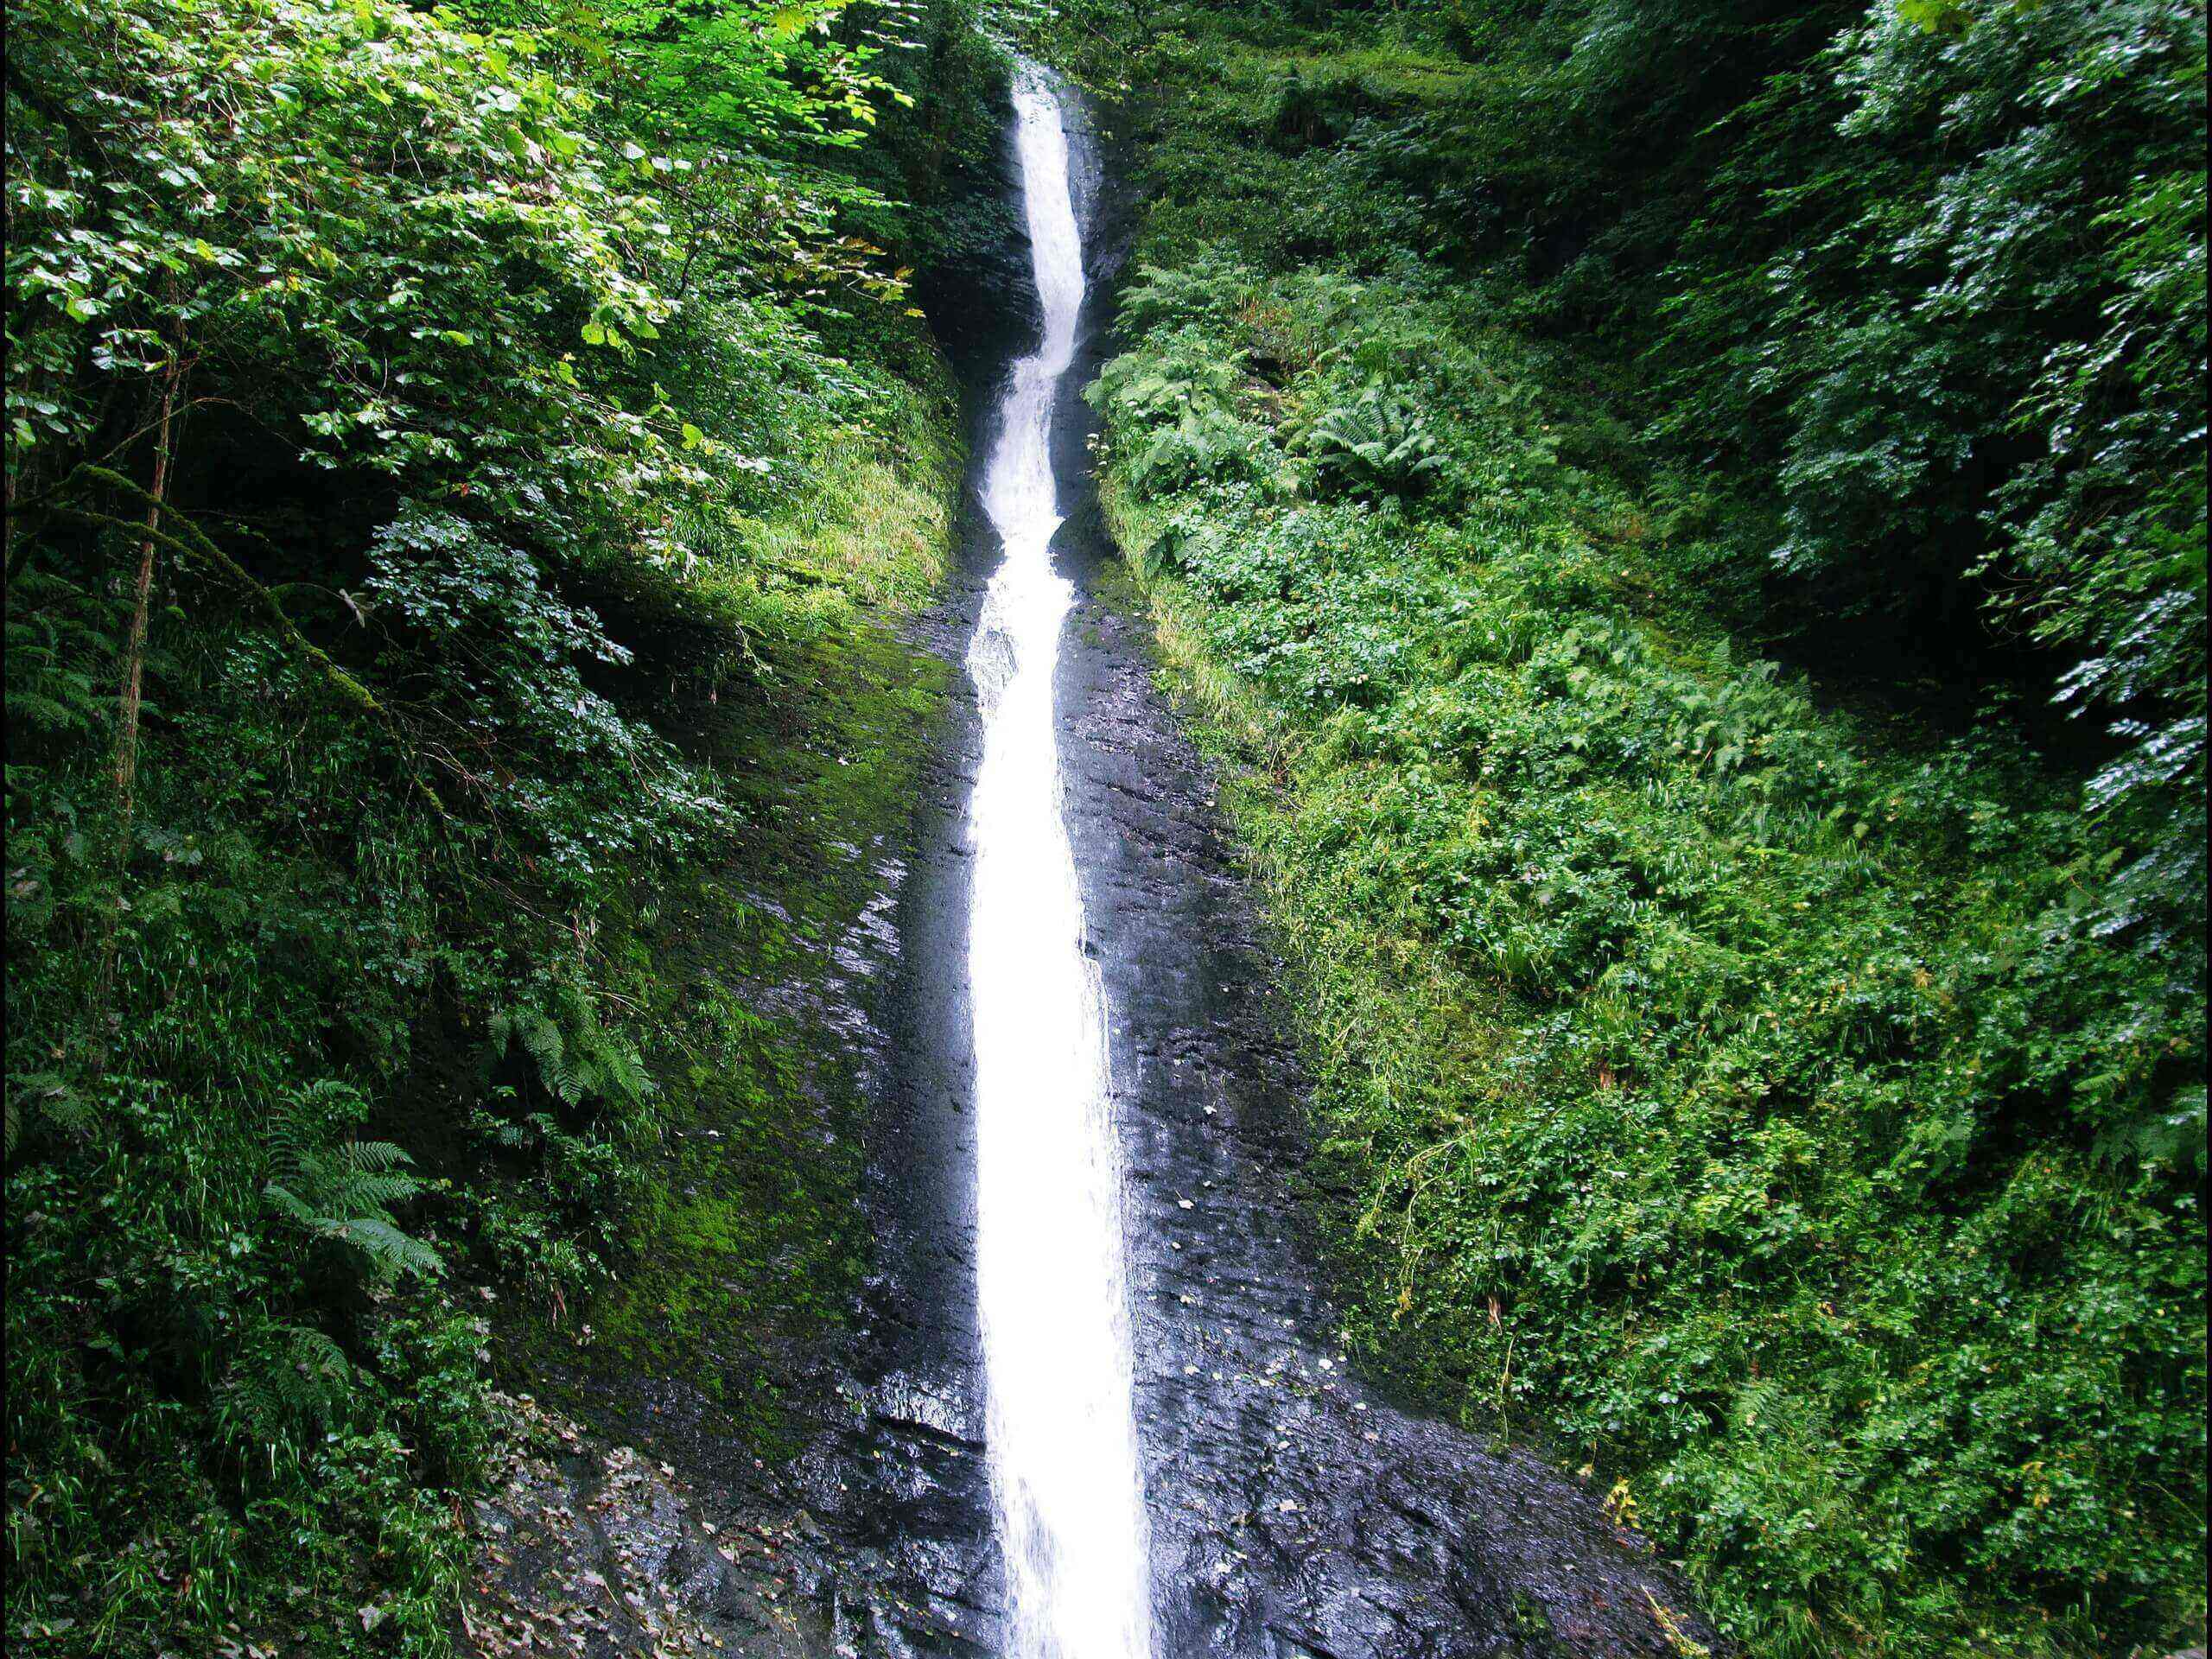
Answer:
(1686, 525)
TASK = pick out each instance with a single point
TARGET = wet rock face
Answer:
(1293, 1512)
(590, 1549)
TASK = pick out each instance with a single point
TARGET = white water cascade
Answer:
(1050, 1269)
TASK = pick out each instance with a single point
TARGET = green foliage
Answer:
(1184, 396)
(1377, 443)
(773, 75)
(576, 1059)
(475, 389)
(343, 1191)
(1923, 284)
(1796, 1113)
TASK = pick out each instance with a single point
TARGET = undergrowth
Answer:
(1747, 1097)
(414, 421)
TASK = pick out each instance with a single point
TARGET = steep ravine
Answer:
(1291, 1512)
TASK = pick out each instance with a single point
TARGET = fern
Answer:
(284, 1379)
(50, 657)
(49, 1095)
(1201, 443)
(1208, 287)
(390, 1252)
(577, 1058)
(2174, 1137)
(343, 1191)
(1377, 441)
(626, 1079)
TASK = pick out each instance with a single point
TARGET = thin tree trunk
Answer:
(130, 697)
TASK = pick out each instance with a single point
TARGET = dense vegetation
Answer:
(421, 427)
(1782, 1088)
(459, 466)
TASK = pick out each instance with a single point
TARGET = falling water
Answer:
(1050, 1268)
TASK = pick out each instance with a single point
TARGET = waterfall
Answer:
(1049, 1267)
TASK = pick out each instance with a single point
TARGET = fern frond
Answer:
(541, 1039)
(345, 1191)
(369, 1193)
(281, 1379)
(290, 1204)
(627, 1075)
(46, 713)
(50, 1096)
(391, 1251)
(373, 1155)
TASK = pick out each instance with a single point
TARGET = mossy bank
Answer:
(467, 476)
(1732, 1080)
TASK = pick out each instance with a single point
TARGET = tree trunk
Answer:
(134, 650)
(129, 695)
